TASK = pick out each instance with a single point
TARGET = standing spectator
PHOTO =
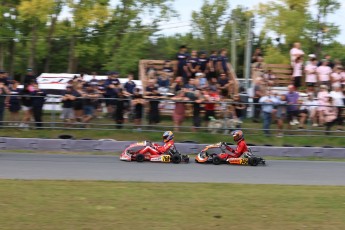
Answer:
(342, 78)
(110, 86)
(120, 103)
(297, 72)
(203, 62)
(280, 113)
(268, 103)
(322, 97)
(4, 100)
(38, 100)
(256, 55)
(78, 102)
(94, 79)
(258, 93)
(193, 65)
(296, 52)
(138, 103)
(292, 108)
(211, 97)
(311, 77)
(240, 109)
(198, 99)
(67, 106)
(167, 68)
(4, 77)
(324, 73)
(182, 57)
(223, 62)
(29, 77)
(153, 95)
(90, 97)
(330, 113)
(336, 77)
(338, 101)
(15, 104)
(130, 84)
(180, 109)
(213, 65)
(26, 105)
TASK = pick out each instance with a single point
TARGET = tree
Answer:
(208, 22)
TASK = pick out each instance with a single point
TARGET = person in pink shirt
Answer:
(322, 97)
(330, 114)
(297, 72)
(342, 79)
(296, 52)
(324, 73)
(311, 75)
(336, 76)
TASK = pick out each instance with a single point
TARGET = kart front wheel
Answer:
(216, 160)
(253, 161)
(176, 158)
(140, 157)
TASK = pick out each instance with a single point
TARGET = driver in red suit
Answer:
(155, 149)
(241, 145)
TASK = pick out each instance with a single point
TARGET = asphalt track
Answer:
(76, 167)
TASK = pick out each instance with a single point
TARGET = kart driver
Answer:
(241, 145)
(155, 149)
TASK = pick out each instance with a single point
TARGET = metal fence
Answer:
(222, 124)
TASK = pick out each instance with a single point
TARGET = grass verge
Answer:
(129, 205)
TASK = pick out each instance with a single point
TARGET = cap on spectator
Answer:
(198, 74)
(183, 47)
(312, 55)
(29, 69)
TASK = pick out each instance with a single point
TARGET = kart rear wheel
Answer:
(176, 158)
(140, 157)
(253, 161)
(216, 160)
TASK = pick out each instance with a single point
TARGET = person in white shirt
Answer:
(338, 101)
(308, 110)
(324, 73)
(296, 52)
(311, 77)
(297, 72)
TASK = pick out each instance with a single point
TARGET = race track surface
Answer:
(67, 167)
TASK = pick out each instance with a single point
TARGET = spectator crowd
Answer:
(202, 86)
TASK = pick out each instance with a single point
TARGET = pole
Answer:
(233, 45)
(248, 52)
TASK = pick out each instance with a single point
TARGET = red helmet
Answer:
(238, 135)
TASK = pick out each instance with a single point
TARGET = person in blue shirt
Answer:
(203, 62)
(223, 62)
(268, 107)
(193, 64)
(182, 57)
(130, 84)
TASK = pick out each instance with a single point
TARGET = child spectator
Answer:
(201, 81)
(330, 114)
(130, 84)
(308, 111)
(336, 76)
(322, 97)
(292, 108)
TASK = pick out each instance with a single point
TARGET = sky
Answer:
(186, 7)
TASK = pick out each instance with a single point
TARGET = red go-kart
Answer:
(218, 154)
(134, 152)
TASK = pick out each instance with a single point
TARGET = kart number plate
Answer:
(166, 158)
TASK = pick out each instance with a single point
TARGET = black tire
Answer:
(216, 160)
(176, 158)
(253, 161)
(140, 157)
(185, 159)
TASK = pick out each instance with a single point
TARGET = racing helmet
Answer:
(238, 135)
(167, 136)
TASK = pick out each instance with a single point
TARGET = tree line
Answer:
(96, 35)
